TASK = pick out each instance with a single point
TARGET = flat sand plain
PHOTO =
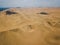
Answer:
(30, 27)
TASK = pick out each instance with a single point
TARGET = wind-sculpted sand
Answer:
(29, 26)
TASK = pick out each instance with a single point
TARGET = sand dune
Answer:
(30, 27)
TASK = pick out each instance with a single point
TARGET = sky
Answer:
(29, 3)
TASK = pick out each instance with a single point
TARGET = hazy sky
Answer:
(29, 3)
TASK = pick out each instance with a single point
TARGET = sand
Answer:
(29, 27)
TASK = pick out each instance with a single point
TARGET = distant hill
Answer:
(1, 9)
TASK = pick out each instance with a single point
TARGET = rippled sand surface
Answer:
(30, 27)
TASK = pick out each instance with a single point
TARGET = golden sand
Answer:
(29, 27)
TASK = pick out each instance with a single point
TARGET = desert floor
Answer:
(30, 26)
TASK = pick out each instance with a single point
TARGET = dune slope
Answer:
(30, 27)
